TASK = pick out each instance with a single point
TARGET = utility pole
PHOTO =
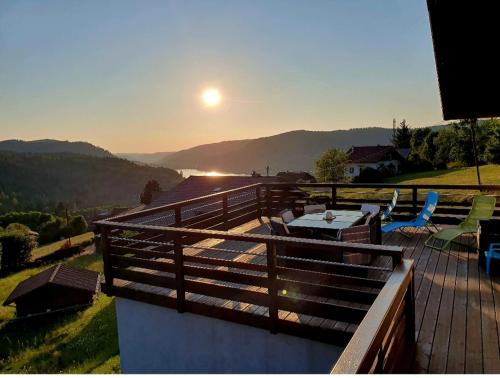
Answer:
(393, 129)
(67, 226)
(267, 170)
(473, 123)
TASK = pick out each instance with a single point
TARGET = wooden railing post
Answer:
(108, 271)
(178, 217)
(224, 211)
(259, 204)
(268, 201)
(179, 272)
(414, 199)
(334, 197)
(272, 287)
(410, 310)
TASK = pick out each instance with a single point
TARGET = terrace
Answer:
(413, 309)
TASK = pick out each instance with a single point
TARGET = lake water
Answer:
(194, 172)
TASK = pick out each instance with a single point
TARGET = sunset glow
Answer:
(211, 97)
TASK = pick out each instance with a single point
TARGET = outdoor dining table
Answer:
(318, 224)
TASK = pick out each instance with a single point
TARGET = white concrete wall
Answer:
(155, 339)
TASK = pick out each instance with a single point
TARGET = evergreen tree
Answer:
(402, 136)
(152, 186)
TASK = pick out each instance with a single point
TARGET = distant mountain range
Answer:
(44, 146)
(294, 150)
(145, 158)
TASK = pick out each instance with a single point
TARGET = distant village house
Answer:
(376, 157)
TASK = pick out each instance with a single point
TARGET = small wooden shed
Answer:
(59, 287)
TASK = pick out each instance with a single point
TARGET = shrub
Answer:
(369, 175)
(78, 225)
(13, 227)
(51, 231)
(16, 249)
(32, 219)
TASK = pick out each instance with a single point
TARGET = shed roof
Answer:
(61, 275)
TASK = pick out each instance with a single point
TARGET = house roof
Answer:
(370, 154)
(60, 275)
(465, 37)
(199, 186)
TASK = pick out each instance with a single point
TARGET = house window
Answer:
(351, 170)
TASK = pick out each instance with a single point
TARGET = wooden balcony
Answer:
(214, 256)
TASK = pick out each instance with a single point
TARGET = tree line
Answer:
(430, 148)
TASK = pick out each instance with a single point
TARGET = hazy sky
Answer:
(128, 75)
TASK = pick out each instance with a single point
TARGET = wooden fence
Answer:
(454, 203)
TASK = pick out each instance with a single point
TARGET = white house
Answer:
(375, 157)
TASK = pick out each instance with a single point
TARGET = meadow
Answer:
(79, 342)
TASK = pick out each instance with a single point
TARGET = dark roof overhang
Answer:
(466, 39)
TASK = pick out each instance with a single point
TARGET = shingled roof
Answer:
(199, 186)
(372, 154)
(60, 275)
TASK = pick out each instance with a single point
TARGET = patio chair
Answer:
(356, 234)
(386, 215)
(482, 209)
(309, 209)
(279, 228)
(287, 216)
(423, 219)
(368, 208)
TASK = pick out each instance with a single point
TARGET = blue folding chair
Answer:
(422, 220)
(492, 253)
(386, 215)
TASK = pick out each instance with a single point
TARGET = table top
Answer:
(343, 219)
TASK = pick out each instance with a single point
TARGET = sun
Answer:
(211, 97)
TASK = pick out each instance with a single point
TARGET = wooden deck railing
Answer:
(270, 284)
(454, 203)
(384, 342)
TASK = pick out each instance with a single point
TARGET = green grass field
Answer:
(82, 342)
(47, 249)
(490, 174)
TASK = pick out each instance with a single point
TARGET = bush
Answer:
(32, 219)
(78, 225)
(52, 231)
(369, 176)
(417, 165)
(13, 227)
(16, 249)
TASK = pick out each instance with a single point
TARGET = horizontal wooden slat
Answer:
(143, 277)
(224, 292)
(142, 253)
(125, 262)
(322, 310)
(335, 292)
(222, 275)
(226, 263)
(327, 279)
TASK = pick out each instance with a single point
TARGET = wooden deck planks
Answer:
(473, 345)
(456, 351)
(491, 357)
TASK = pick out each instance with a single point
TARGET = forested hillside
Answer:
(44, 146)
(40, 181)
(295, 150)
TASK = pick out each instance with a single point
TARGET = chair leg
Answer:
(403, 233)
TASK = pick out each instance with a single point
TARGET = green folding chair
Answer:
(482, 209)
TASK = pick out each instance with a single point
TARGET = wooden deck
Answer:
(457, 308)
(457, 304)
